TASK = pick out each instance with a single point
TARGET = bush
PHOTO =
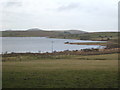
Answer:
(113, 44)
(88, 50)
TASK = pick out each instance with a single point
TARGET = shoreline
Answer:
(88, 43)
(74, 52)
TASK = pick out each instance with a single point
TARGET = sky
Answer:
(87, 15)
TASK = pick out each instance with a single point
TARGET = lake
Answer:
(41, 44)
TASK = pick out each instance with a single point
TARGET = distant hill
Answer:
(36, 32)
(76, 31)
(65, 34)
(34, 29)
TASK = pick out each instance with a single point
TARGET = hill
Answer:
(90, 36)
(35, 32)
(34, 29)
(65, 34)
(76, 31)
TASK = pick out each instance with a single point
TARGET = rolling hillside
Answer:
(35, 32)
(65, 34)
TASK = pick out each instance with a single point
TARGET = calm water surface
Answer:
(41, 44)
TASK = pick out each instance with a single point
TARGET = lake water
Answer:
(41, 44)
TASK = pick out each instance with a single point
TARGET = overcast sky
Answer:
(87, 15)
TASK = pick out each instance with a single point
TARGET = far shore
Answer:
(88, 43)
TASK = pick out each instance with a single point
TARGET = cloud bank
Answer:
(89, 15)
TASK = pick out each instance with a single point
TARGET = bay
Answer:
(41, 44)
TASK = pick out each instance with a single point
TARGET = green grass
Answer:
(99, 57)
(28, 57)
(61, 79)
(73, 71)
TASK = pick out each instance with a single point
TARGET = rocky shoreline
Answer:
(74, 52)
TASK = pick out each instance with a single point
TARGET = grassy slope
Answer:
(28, 33)
(59, 57)
(98, 71)
(91, 36)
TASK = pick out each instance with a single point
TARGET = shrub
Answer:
(113, 43)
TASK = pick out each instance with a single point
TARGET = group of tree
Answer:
(105, 37)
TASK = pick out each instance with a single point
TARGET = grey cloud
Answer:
(69, 6)
(13, 4)
(79, 6)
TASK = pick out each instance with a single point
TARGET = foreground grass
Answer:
(29, 57)
(65, 72)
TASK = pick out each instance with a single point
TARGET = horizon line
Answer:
(60, 30)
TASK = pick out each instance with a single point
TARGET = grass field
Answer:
(62, 71)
